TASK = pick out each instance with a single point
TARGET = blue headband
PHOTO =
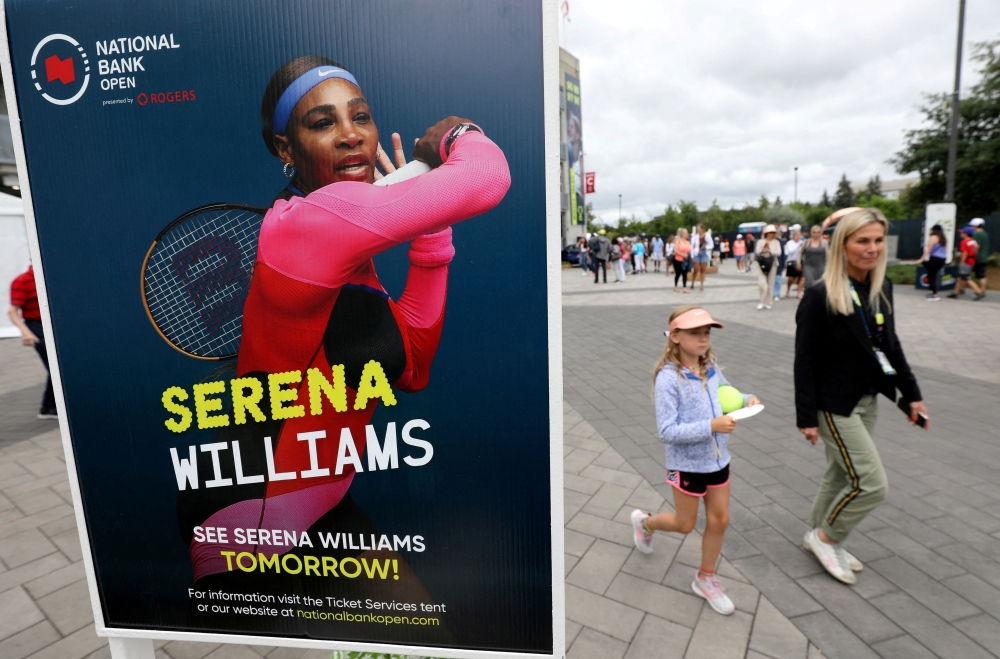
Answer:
(299, 88)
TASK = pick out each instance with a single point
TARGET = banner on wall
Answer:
(574, 136)
(296, 409)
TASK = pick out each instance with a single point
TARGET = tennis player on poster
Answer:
(315, 299)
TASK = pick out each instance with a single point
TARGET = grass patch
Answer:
(902, 274)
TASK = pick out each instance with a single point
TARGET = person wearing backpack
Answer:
(600, 250)
(767, 251)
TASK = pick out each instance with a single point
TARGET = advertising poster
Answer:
(300, 404)
(574, 134)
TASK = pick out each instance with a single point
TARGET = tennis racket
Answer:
(196, 277)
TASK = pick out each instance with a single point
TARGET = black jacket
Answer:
(835, 365)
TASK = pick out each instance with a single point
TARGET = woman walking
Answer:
(768, 251)
(793, 263)
(813, 258)
(668, 254)
(739, 252)
(584, 248)
(618, 258)
(846, 353)
(682, 259)
(935, 255)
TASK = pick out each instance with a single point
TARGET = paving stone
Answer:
(936, 597)
(577, 460)
(916, 554)
(645, 498)
(575, 543)
(69, 608)
(659, 638)
(191, 650)
(28, 641)
(832, 638)
(903, 647)
(590, 644)
(580, 484)
(77, 645)
(569, 562)
(610, 459)
(69, 543)
(32, 570)
(608, 500)
(720, 637)
(652, 567)
(601, 528)
(17, 612)
(983, 629)
(850, 608)
(790, 558)
(572, 629)
(667, 603)
(774, 635)
(602, 614)
(611, 476)
(930, 630)
(228, 651)
(775, 585)
(743, 595)
(599, 566)
(16, 550)
(573, 502)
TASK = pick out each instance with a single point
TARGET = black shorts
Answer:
(697, 485)
(980, 271)
(793, 270)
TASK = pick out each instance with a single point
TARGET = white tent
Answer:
(14, 257)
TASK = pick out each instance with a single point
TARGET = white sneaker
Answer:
(831, 557)
(852, 561)
(643, 539)
(713, 591)
(767, 306)
(760, 306)
(776, 299)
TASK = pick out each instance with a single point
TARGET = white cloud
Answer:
(702, 101)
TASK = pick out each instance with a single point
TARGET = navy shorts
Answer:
(697, 485)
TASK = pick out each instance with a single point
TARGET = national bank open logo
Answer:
(60, 69)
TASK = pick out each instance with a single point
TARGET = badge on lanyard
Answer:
(883, 361)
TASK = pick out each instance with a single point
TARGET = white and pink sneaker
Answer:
(643, 538)
(712, 590)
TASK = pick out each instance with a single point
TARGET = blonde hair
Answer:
(838, 286)
(672, 353)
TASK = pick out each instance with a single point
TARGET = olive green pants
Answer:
(854, 482)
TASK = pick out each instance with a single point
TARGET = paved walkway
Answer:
(931, 585)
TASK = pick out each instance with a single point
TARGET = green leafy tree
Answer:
(977, 167)
(874, 188)
(763, 204)
(844, 196)
(783, 215)
(824, 201)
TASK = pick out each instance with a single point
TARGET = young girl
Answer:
(691, 424)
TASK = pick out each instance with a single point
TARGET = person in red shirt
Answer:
(967, 263)
(27, 317)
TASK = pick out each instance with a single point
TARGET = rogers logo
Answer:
(144, 99)
(60, 83)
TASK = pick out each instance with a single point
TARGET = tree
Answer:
(844, 196)
(977, 167)
(825, 200)
(783, 215)
(874, 186)
(777, 201)
(763, 204)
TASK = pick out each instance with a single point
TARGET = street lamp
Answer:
(619, 209)
(796, 197)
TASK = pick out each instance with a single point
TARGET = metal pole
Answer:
(796, 198)
(619, 209)
(949, 194)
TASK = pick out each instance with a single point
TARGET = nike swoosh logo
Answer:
(323, 74)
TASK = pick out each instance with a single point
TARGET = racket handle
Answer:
(407, 171)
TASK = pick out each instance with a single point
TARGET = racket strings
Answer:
(198, 276)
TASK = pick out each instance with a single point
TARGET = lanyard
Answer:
(879, 318)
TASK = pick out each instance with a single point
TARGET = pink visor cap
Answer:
(692, 319)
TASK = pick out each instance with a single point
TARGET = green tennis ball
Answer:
(730, 398)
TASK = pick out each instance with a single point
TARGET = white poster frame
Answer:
(943, 213)
(129, 643)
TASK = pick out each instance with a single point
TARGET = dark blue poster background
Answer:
(106, 177)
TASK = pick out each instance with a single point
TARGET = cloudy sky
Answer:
(701, 101)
